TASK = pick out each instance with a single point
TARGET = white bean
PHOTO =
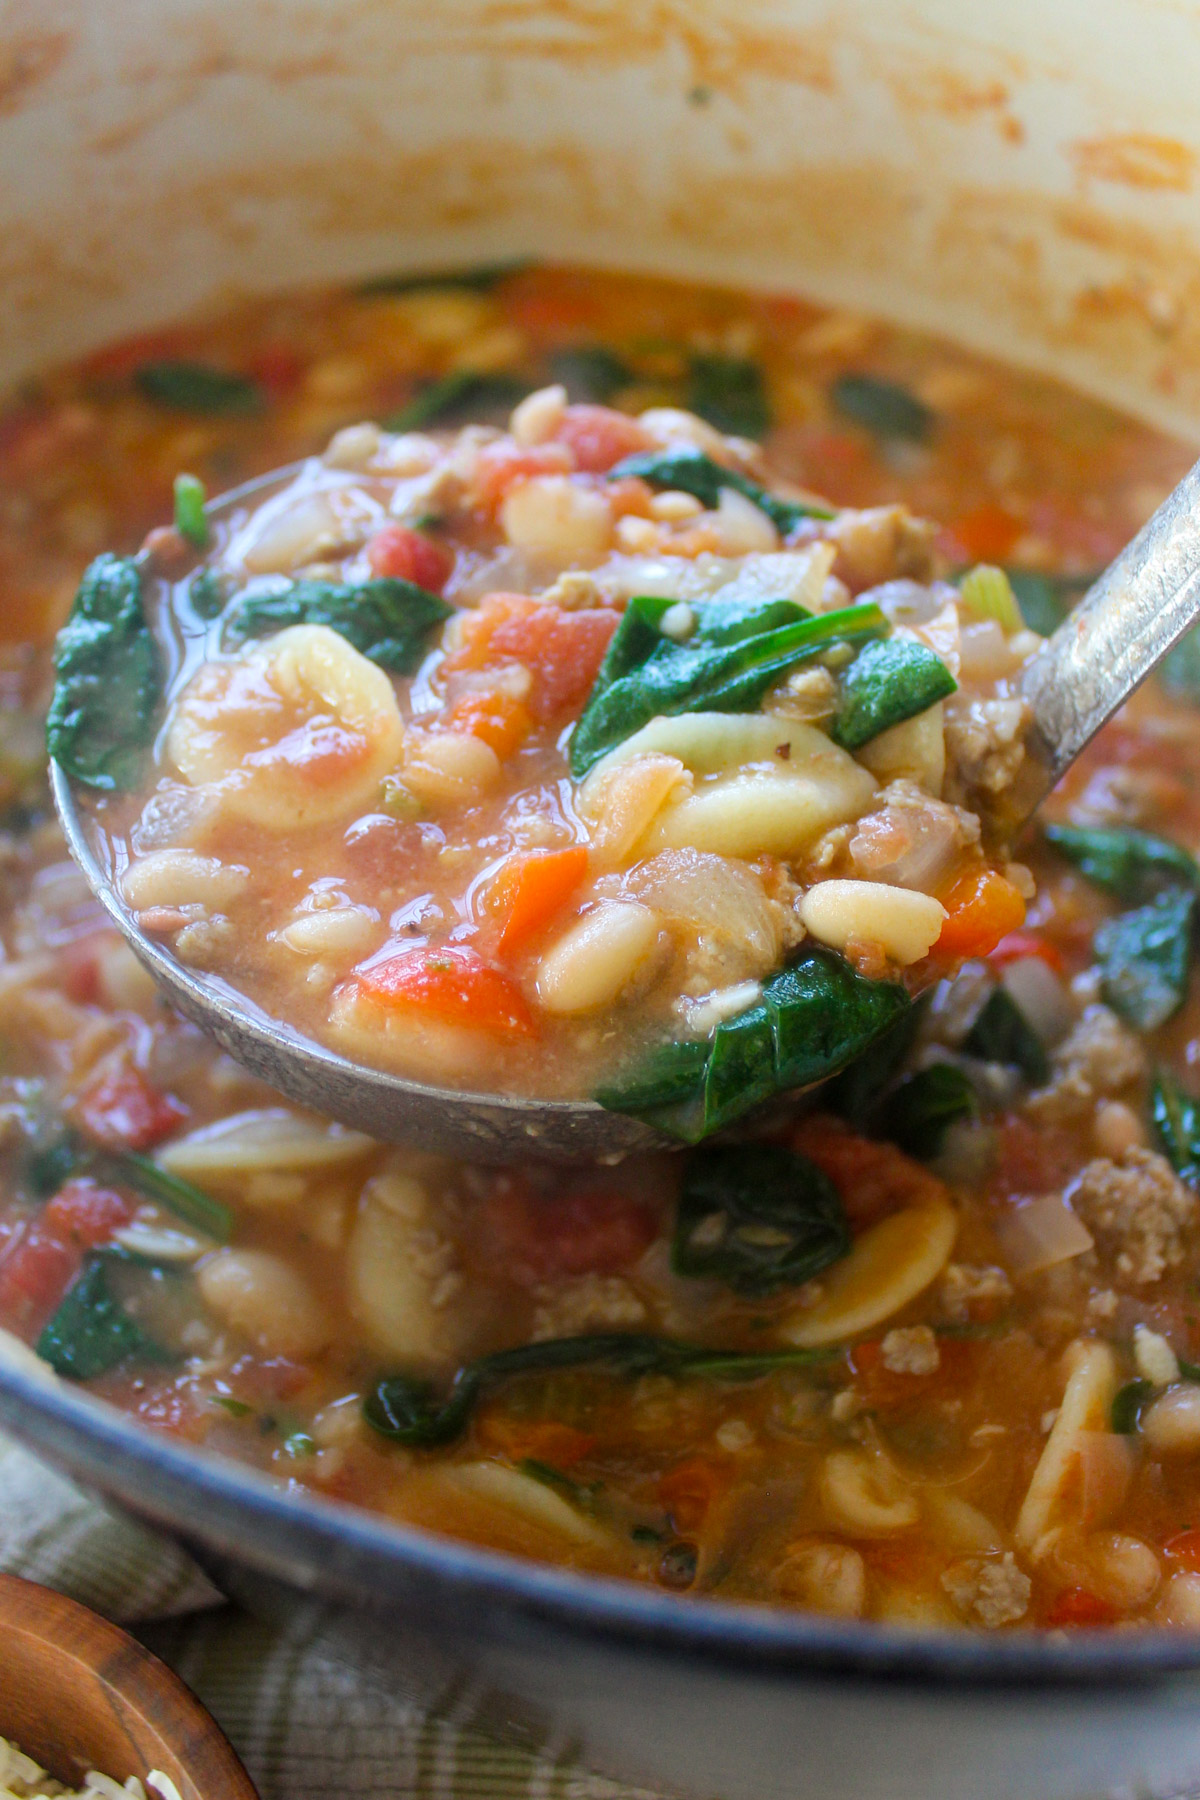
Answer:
(554, 517)
(669, 425)
(1180, 1602)
(266, 1299)
(1171, 1426)
(914, 750)
(449, 767)
(339, 931)
(831, 1578)
(539, 415)
(756, 812)
(904, 923)
(182, 878)
(598, 957)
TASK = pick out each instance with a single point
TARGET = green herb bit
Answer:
(987, 592)
(208, 594)
(1002, 1034)
(299, 1445)
(1128, 1403)
(407, 1410)
(1131, 864)
(1145, 959)
(1045, 600)
(886, 684)
(758, 1218)
(186, 1201)
(815, 1017)
(737, 651)
(884, 407)
(1176, 1118)
(191, 521)
(108, 680)
(691, 472)
(478, 280)
(387, 619)
(730, 393)
(918, 1114)
(91, 1332)
(590, 372)
(198, 388)
(237, 1409)
(458, 398)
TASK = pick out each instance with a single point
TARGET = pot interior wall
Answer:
(1021, 177)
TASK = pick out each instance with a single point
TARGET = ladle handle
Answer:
(1122, 628)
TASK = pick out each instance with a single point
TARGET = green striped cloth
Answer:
(308, 1724)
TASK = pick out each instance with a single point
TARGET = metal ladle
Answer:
(1127, 622)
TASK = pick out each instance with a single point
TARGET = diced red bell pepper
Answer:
(453, 983)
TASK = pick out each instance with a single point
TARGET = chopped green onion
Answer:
(987, 592)
(190, 520)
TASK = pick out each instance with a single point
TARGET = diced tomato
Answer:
(453, 983)
(986, 534)
(503, 466)
(1021, 944)
(548, 1440)
(500, 719)
(1031, 1159)
(41, 1263)
(562, 650)
(598, 437)
(538, 1236)
(86, 1214)
(689, 1489)
(873, 1179)
(1076, 1606)
(410, 556)
(276, 367)
(982, 908)
(123, 1112)
(1184, 1550)
(529, 889)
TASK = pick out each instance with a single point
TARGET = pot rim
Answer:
(345, 1552)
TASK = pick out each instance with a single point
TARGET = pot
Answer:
(1022, 178)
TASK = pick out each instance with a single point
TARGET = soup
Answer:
(914, 1345)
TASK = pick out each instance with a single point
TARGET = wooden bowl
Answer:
(77, 1693)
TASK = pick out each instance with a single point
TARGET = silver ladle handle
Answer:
(1139, 608)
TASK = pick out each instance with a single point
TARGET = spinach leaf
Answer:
(694, 473)
(108, 679)
(1145, 958)
(1002, 1034)
(60, 1154)
(387, 619)
(1129, 863)
(1125, 1415)
(884, 685)
(478, 280)
(1045, 600)
(814, 1018)
(918, 1114)
(758, 1218)
(590, 372)
(730, 393)
(856, 1094)
(197, 388)
(208, 594)
(1179, 670)
(735, 653)
(1177, 1120)
(91, 1331)
(407, 1410)
(884, 407)
(458, 399)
